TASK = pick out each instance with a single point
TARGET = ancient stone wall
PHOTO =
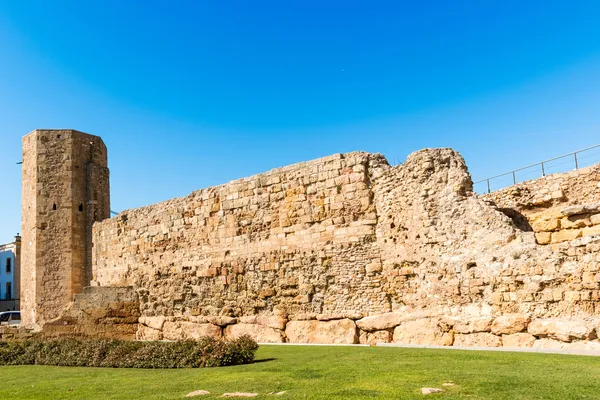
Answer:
(65, 189)
(98, 312)
(558, 207)
(348, 249)
(297, 239)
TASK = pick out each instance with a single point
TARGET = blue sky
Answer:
(189, 94)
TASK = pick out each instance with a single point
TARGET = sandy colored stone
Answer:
(472, 325)
(561, 329)
(347, 232)
(153, 322)
(222, 320)
(197, 393)
(422, 332)
(147, 333)
(543, 237)
(518, 340)
(372, 338)
(329, 317)
(566, 235)
(274, 322)
(189, 330)
(548, 344)
(509, 324)
(260, 333)
(591, 231)
(240, 394)
(589, 345)
(335, 332)
(380, 321)
(477, 340)
(543, 225)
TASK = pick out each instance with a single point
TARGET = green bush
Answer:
(205, 352)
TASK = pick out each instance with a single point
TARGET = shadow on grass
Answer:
(263, 360)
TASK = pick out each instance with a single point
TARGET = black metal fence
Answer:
(578, 159)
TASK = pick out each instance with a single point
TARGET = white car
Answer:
(10, 318)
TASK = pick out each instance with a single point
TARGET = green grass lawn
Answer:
(327, 373)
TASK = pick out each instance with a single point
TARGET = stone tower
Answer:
(65, 189)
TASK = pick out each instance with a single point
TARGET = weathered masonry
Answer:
(65, 189)
(343, 249)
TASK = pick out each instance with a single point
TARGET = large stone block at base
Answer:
(342, 331)
(518, 340)
(372, 338)
(182, 330)
(260, 333)
(426, 331)
(380, 322)
(477, 340)
(562, 329)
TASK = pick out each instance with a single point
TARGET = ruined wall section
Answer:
(56, 227)
(580, 186)
(558, 208)
(348, 249)
(294, 240)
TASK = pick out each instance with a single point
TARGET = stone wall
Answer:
(98, 312)
(349, 249)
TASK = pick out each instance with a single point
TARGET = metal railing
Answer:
(578, 159)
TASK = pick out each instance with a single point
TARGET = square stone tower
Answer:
(65, 189)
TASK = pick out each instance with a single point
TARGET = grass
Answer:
(327, 373)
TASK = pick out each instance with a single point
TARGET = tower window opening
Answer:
(80, 207)
(54, 206)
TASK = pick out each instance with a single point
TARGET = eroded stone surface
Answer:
(423, 332)
(509, 324)
(334, 332)
(518, 340)
(375, 337)
(380, 322)
(326, 242)
(477, 340)
(562, 329)
(189, 330)
(260, 333)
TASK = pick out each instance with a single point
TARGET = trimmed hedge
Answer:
(205, 352)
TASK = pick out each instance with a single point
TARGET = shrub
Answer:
(205, 352)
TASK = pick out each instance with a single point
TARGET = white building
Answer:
(10, 275)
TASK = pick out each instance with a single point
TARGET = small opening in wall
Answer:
(54, 206)
(58, 136)
(81, 207)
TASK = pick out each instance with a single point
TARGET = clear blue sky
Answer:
(188, 94)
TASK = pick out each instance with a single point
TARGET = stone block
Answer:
(472, 325)
(182, 330)
(543, 237)
(341, 331)
(477, 340)
(260, 333)
(424, 331)
(518, 340)
(275, 322)
(380, 322)
(543, 225)
(566, 235)
(509, 324)
(591, 231)
(561, 329)
(372, 338)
